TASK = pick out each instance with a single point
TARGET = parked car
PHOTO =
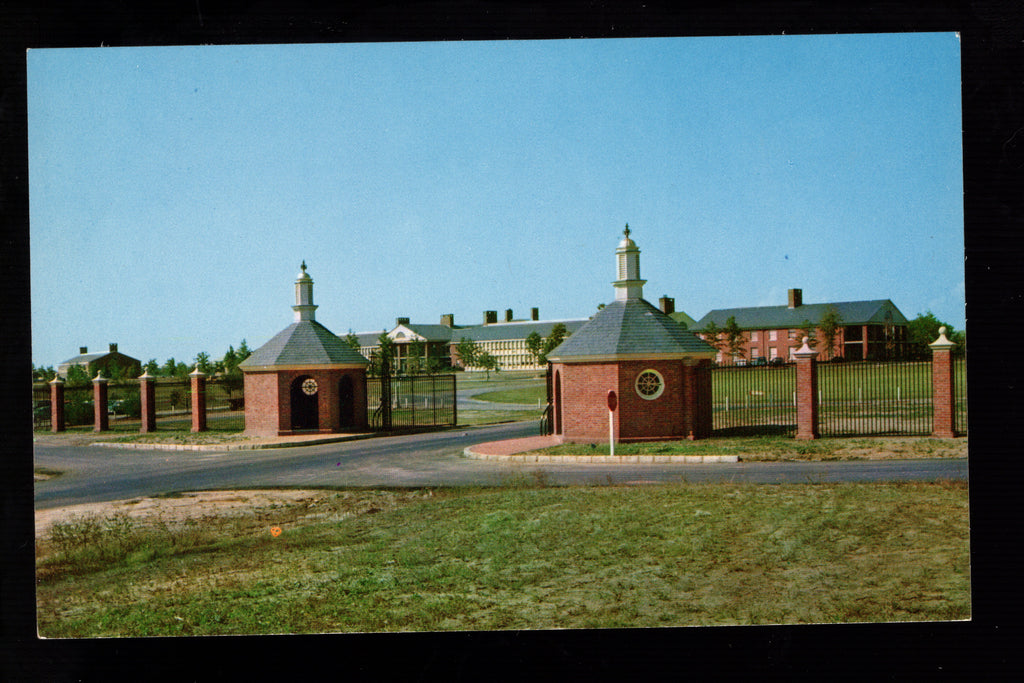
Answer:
(778, 361)
(760, 360)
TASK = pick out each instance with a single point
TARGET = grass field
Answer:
(523, 395)
(524, 556)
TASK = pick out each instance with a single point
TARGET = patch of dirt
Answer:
(194, 505)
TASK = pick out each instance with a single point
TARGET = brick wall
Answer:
(268, 400)
(682, 410)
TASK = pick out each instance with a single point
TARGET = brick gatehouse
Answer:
(659, 371)
(305, 379)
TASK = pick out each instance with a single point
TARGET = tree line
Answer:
(225, 368)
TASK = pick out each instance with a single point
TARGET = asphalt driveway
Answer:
(96, 474)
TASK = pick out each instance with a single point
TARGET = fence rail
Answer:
(960, 394)
(867, 398)
(753, 400)
(415, 401)
(225, 410)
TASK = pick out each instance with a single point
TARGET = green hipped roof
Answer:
(306, 342)
(629, 328)
(779, 317)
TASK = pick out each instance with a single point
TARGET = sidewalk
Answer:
(517, 450)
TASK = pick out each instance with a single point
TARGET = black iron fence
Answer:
(754, 400)
(867, 398)
(411, 401)
(960, 395)
(225, 409)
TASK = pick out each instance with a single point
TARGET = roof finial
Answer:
(626, 231)
(303, 265)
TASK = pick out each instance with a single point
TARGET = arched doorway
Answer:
(305, 395)
(558, 402)
(346, 403)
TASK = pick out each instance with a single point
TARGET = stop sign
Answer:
(613, 400)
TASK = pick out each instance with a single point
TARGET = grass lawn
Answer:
(523, 556)
(524, 395)
(780, 448)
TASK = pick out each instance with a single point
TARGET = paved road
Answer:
(95, 474)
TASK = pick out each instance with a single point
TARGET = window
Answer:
(649, 384)
(309, 387)
(754, 352)
(754, 337)
(773, 335)
(773, 352)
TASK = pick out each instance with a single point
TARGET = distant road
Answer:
(96, 474)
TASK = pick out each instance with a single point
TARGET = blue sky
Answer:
(174, 191)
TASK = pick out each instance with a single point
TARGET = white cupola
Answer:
(304, 306)
(628, 284)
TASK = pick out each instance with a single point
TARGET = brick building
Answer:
(305, 379)
(658, 370)
(868, 330)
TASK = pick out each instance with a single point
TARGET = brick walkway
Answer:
(510, 446)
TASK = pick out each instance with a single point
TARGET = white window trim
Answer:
(661, 384)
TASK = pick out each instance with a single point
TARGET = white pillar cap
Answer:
(197, 372)
(805, 351)
(99, 377)
(942, 342)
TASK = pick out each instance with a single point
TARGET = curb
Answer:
(468, 452)
(225, 447)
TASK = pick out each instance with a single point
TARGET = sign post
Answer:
(613, 402)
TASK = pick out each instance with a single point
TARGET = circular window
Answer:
(650, 384)
(309, 387)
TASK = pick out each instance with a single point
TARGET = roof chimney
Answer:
(401, 321)
(490, 317)
(508, 315)
(796, 297)
(534, 313)
(667, 305)
(82, 350)
(448, 320)
(113, 348)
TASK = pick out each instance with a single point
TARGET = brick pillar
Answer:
(806, 392)
(943, 399)
(198, 400)
(101, 422)
(147, 397)
(57, 404)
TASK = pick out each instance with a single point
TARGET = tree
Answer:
(558, 334)
(243, 351)
(807, 329)
(468, 351)
(152, 367)
(169, 368)
(203, 362)
(924, 329)
(352, 340)
(42, 374)
(734, 339)
(488, 362)
(535, 345)
(830, 324)
(712, 335)
(383, 355)
(78, 376)
(414, 362)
